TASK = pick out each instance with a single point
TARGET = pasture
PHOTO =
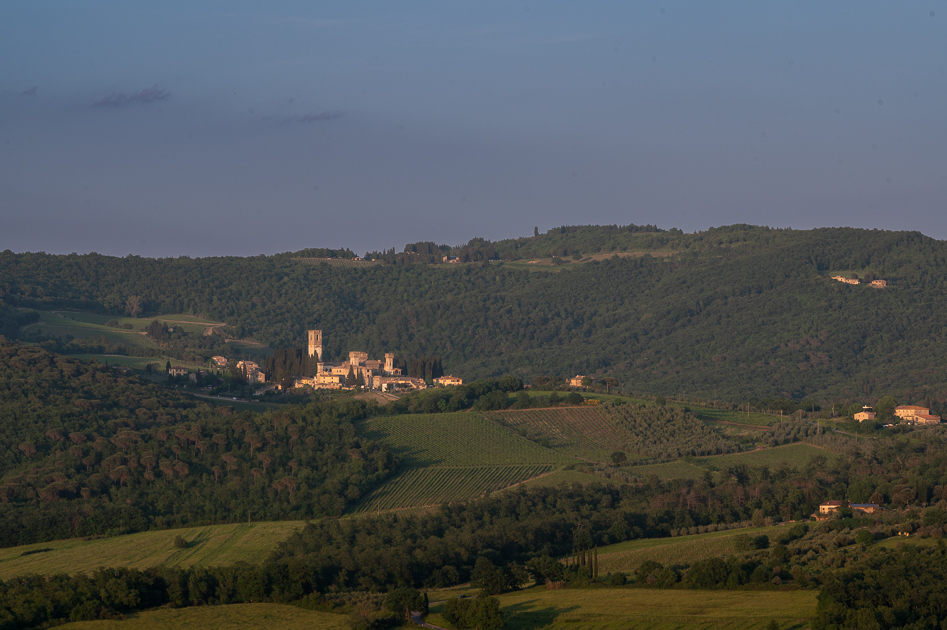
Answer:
(424, 487)
(678, 550)
(230, 617)
(678, 469)
(456, 439)
(652, 609)
(578, 431)
(207, 546)
(797, 455)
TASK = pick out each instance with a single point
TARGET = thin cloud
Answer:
(148, 95)
(326, 115)
(29, 92)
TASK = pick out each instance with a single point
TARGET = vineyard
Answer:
(344, 263)
(578, 431)
(419, 487)
(456, 439)
(670, 470)
(682, 550)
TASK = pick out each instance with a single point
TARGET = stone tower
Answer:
(315, 343)
(389, 363)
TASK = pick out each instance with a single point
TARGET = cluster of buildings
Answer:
(829, 508)
(907, 413)
(369, 373)
(874, 283)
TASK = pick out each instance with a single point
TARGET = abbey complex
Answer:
(360, 371)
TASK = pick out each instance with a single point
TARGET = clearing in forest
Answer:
(678, 550)
(229, 617)
(425, 487)
(797, 455)
(456, 439)
(206, 546)
(651, 609)
(579, 431)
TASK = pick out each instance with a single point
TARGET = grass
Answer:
(422, 487)
(651, 609)
(207, 546)
(797, 455)
(679, 550)
(671, 470)
(190, 323)
(456, 439)
(579, 431)
(231, 617)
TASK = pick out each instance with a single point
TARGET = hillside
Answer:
(88, 450)
(737, 312)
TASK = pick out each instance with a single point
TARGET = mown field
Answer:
(671, 470)
(457, 439)
(60, 326)
(651, 609)
(579, 431)
(422, 487)
(232, 617)
(626, 556)
(796, 455)
(207, 546)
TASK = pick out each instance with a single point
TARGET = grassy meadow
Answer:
(650, 609)
(679, 550)
(796, 454)
(207, 546)
(231, 617)
(456, 439)
(422, 487)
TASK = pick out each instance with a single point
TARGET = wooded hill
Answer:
(742, 312)
(85, 450)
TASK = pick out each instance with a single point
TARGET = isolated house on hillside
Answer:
(865, 414)
(913, 413)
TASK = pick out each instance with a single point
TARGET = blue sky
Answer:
(174, 128)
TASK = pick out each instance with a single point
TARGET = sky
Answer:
(243, 128)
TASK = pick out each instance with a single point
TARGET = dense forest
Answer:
(741, 311)
(87, 450)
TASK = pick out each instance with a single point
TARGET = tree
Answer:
(405, 600)
(350, 380)
(133, 305)
(619, 457)
(488, 577)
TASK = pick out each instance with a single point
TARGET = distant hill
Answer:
(738, 312)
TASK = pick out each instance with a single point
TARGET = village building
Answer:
(865, 414)
(577, 381)
(252, 369)
(369, 373)
(178, 371)
(447, 381)
(847, 280)
(918, 415)
(220, 362)
(879, 283)
(828, 508)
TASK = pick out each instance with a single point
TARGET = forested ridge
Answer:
(741, 310)
(85, 450)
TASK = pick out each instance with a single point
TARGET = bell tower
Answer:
(315, 343)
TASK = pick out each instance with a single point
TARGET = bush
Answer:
(864, 537)
(179, 542)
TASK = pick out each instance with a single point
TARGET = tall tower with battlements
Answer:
(315, 343)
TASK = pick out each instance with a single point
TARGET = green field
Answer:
(424, 487)
(189, 323)
(342, 263)
(207, 546)
(797, 455)
(679, 550)
(671, 470)
(58, 325)
(232, 617)
(456, 439)
(651, 609)
(560, 477)
(579, 431)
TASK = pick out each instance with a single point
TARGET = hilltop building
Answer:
(371, 373)
(918, 415)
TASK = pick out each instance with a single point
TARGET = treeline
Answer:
(483, 395)
(88, 451)
(740, 311)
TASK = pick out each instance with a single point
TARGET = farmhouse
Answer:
(219, 361)
(448, 380)
(879, 283)
(865, 414)
(828, 508)
(847, 280)
(178, 371)
(918, 415)
(252, 370)
(577, 381)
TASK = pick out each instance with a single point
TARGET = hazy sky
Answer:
(211, 128)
